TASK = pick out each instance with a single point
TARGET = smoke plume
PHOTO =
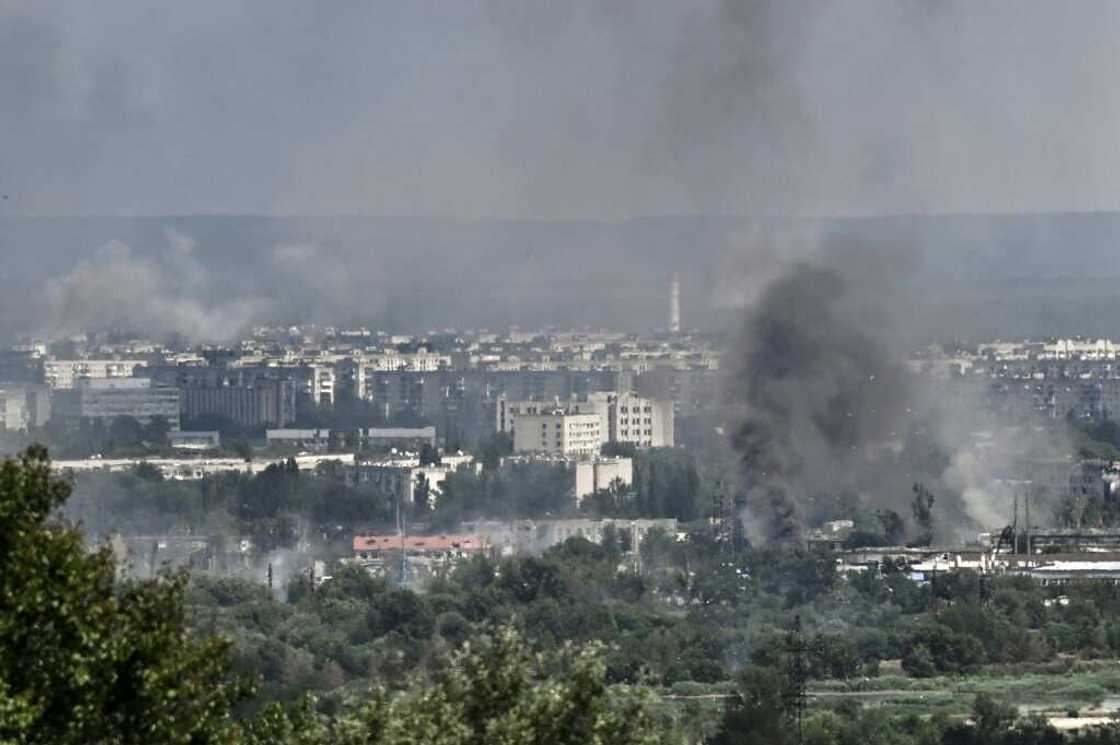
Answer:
(117, 288)
(821, 393)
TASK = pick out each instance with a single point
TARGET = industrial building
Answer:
(105, 399)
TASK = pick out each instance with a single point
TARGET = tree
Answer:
(126, 432)
(756, 713)
(922, 508)
(83, 659)
(429, 456)
(991, 717)
(155, 431)
(495, 690)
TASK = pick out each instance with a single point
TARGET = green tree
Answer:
(756, 713)
(922, 508)
(495, 691)
(83, 659)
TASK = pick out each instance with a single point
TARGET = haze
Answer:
(499, 109)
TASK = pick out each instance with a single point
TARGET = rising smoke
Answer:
(821, 392)
(163, 294)
(832, 419)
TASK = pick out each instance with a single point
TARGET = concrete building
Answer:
(415, 559)
(321, 385)
(13, 410)
(315, 439)
(405, 479)
(65, 374)
(261, 403)
(558, 432)
(23, 406)
(190, 469)
(642, 422)
(398, 436)
(106, 399)
(195, 441)
(533, 537)
(602, 473)
(623, 417)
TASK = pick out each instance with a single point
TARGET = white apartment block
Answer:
(322, 384)
(63, 374)
(623, 417)
(558, 432)
(14, 414)
(642, 422)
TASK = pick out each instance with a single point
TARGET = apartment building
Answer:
(558, 432)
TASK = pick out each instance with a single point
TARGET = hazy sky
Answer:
(555, 109)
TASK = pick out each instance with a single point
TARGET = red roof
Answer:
(419, 542)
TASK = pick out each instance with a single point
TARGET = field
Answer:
(1066, 689)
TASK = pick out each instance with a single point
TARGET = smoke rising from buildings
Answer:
(831, 419)
(116, 288)
(821, 390)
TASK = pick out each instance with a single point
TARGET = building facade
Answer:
(65, 374)
(108, 398)
(263, 403)
(558, 432)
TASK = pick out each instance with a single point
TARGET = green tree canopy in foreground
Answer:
(87, 659)
(82, 658)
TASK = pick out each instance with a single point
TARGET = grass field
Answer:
(1087, 688)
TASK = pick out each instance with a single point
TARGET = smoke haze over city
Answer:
(684, 372)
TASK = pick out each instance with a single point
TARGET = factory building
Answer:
(106, 399)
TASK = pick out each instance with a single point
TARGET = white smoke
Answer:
(119, 288)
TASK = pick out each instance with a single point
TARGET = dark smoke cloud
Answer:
(821, 389)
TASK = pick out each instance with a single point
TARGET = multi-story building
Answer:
(13, 410)
(405, 479)
(558, 432)
(263, 403)
(106, 399)
(23, 406)
(65, 374)
(624, 417)
(642, 422)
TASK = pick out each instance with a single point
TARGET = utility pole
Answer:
(795, 692)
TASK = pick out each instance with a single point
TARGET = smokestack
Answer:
(675, 304)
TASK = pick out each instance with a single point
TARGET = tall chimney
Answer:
(675, 304)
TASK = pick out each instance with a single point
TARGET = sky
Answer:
(537, 109)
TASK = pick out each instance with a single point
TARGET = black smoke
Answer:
(824, 398)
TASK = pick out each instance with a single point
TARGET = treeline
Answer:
(86, 658)
(486, 656)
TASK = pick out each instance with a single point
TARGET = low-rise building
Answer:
(315, 439)
(602, 473)
(405, 479)
(195, 441)
(398, 436)
(415, 559)
(533, 537)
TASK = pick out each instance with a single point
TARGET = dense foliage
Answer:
(87, 658)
